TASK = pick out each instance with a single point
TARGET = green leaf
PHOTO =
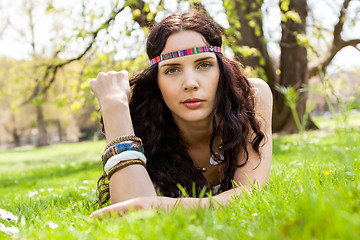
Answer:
(246, 51)
(284, 5)
(76, 106)
(136, 13)
(294, 16)
(150, 17)
(262, 61)
(303, 40)
(146, 8)
(49, 8)
(252, 23)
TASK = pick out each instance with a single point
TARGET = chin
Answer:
(193, 118)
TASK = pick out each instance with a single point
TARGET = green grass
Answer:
(313, 193)
(352, 118)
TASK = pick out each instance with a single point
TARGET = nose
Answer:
(190, 81)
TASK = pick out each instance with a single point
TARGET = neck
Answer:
(195, 133)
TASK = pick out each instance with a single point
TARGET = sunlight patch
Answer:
(8, 230)
(8, 216)
(52, 225)
(32, 194)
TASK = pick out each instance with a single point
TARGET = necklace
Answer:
(215, 159)
(213, 162)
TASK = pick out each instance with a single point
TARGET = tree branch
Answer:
(2, 29)
(51, 69)
(337, 44)
(352, 42)
(198, 6)
(357, 48)
(142, 18)
(340, 24)
(314, 70)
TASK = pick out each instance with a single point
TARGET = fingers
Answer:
(113, 75)
(119, 209)
(111, 84)
(99, 214)
(91, 83)
(107, 212)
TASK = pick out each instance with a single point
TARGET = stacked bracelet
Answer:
(122, 152)
(123, 157)
(121, 147)
(123, 139)
(124, 164)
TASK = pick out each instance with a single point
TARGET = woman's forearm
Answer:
(116, 117)
(132, 181)
(217, 201)
(167, 203)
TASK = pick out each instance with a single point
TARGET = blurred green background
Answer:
(307, 51)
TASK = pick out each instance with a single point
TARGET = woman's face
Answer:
(188, 84)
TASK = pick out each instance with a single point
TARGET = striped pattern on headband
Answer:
(184, 52)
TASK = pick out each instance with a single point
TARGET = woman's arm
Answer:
(166, 203)
(112, 91)
(257, 171)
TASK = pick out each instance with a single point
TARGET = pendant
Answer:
(214, 159)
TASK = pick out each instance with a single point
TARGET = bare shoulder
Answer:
(263, 97)
(263, 88)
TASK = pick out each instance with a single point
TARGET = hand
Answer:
(121, 208)
(111, 86)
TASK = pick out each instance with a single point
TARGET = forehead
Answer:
(183, 40)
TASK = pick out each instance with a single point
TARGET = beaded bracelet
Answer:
(124, 156)
(123, 139)
(124, 164)
(121, 147)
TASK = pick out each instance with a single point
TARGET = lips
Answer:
(193, 103)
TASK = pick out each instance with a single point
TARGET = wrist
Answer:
(110, 102)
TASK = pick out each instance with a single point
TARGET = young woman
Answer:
(200, 124)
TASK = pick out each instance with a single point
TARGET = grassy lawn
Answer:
(313, 193)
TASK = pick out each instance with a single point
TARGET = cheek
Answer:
(215, 83)
(167, 91)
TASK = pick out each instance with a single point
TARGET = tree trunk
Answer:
(249, 15)
(14, 131)
(60, 130)
(16, 137)
(42, 137)
(293, 66)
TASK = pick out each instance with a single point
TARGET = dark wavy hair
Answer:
(168, 162)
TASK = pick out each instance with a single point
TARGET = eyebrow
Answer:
(197, 60)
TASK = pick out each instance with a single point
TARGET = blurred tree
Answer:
(4, 22)
(97, 28)
(16, 118)
(50, 76)
(42, 71)
(246, 37)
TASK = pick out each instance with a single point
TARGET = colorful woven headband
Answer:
(184, 52)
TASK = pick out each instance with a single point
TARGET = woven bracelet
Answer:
(123, 139)
(123, 157)
(124, 164)
(121, 147)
